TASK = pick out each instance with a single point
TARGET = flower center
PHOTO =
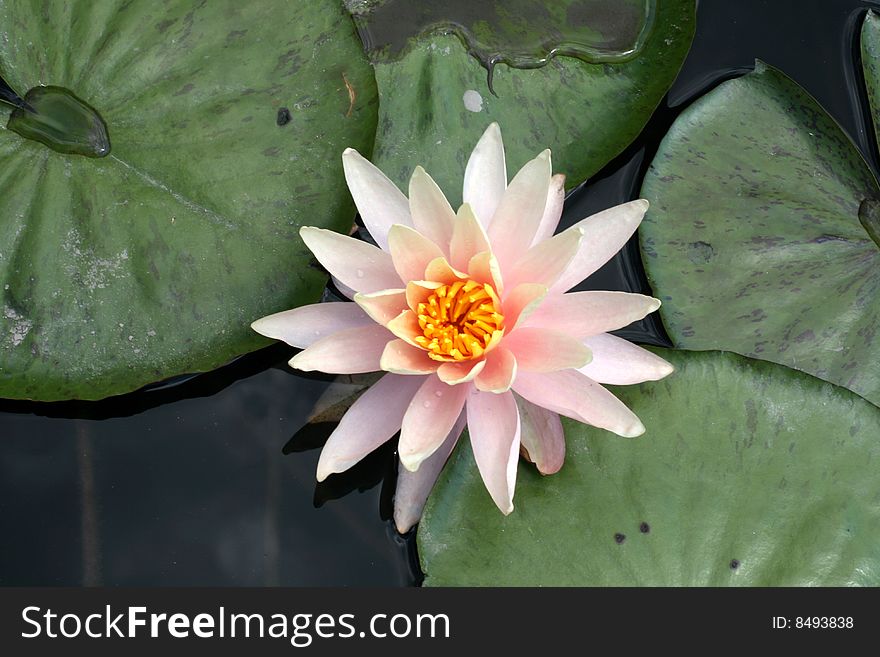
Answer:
(459, 321)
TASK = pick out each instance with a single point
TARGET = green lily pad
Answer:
(749, 474)
(226, 122)
(758, 238)
(435, 100)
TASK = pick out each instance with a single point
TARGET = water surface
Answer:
(199, 483)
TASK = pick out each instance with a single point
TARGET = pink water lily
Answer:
(468, 314)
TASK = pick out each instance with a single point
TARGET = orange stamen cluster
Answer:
(459, 321)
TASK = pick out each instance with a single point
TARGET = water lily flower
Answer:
(469, 315)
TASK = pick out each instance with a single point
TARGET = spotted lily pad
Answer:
(435, 100)
(749, 474)
(226, 123)
(761, 237)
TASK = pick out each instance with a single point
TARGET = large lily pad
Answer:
(153, 261)
(758, 239)
(749, 474)
(435, 100)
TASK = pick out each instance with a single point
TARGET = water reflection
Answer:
(521, 33)
(190, 488)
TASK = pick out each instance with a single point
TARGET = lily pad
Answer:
(758, 239)
(773, 482)
(226, 121)
(436, 102)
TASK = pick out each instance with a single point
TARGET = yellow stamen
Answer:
(459, 321)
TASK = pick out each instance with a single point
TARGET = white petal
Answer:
(429, 418)
(493, 425)
(303, 326)
(618, 362)
(352, 351)
(518, 215)
(552, 210)
(485, 177)
(380, 203)
(411, 252)
(358, 265)
(344, 290)
(432, 215)
(542, 436)
(468, 238)
(605, 233)
(570, 393)
(591, 312)
(382, 306)
(413, 488)
(538, 349)
(545, 262)
(370, 422)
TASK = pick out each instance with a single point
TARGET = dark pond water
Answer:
(200, 483)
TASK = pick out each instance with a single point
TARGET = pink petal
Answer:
(493, 424)
(552, 210)
(542, 436)
(401, 357)
(580, 314)
(468, 238)
(382, 306)
(619, 362)
(344, 290)
(411, 252)
(605, 233)
(406, 326)
(371, 421)
(440, 271)
(498, 374)
(521, 302)
(379, 202)
(485, 177)
(306, 325)
(461, 372)
(352, 351)
(428, 420)
(570, 393)
(542, 350)
(413, 488)
(432, 215)
(358, 265)
(518, 215)
(418, 292)
(484, 268)
(544, 262)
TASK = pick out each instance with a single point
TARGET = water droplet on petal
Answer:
(438, 393)
(359, 273)
(426, 404)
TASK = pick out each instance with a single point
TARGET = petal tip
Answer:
(634, 430)
(411, 461)
(257, 324)
(322, 473)
(305, 231)
(403, 527)
(301, 363)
